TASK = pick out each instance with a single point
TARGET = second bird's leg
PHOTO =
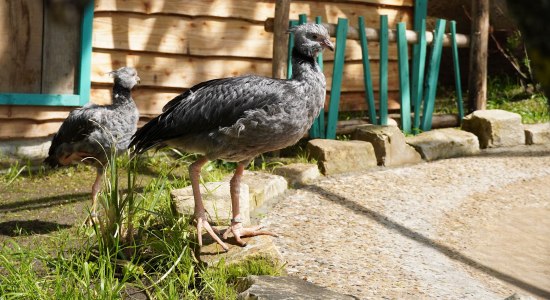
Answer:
(96, 187)
(200, 212)
(236, 226)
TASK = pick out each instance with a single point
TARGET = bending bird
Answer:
(238, 118)
(91, 132)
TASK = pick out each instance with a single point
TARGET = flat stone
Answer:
(298, 173)
(335, 157)
(28, 148)
(495, 128)
(263, 187)
(537, 133)
(263, 246)
(217, 202)
(279, 288)
(517, 296)
(444, 143)
(389, 144)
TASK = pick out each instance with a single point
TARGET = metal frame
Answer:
(83, 84)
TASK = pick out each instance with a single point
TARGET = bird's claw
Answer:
(239, 231)
(92, 219)
(202, 222)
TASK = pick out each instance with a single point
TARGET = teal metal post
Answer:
(85, 67)
(318, 128)
(418, 59)
(337, 74)
(405, 92)
(367, 76)
(383, 70)
(418, 70)
(433, 73)
(458, 84)
(291, 23)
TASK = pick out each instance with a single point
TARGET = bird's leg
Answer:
(236, 226)
(200, 212)
(96, 187)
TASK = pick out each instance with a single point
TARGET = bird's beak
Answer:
(326, 43)
(138, 79)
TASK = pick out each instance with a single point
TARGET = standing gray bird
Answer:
(236, 119)
(91, 132)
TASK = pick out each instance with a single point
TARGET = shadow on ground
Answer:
(29, 227)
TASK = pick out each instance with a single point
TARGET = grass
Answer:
(140, 247)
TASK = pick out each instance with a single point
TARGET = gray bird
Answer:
(91, 132)
(236, 119)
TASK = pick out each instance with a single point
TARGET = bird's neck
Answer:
(303, 64)
(121, 95)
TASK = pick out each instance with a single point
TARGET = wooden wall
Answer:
(175, 44)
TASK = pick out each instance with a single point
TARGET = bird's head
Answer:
(310, 39)
(125, 76)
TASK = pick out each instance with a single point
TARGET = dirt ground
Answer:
(464, 228)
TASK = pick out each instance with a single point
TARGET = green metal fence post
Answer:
(318, 128)
(418, 59)
(433, 73)
(404, 89)
(291, 23)
(383, 70)
(458, 84)
(337, 74)
(85, 67)
(367, 78)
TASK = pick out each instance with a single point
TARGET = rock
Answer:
(335, 157)
(537, 133)
(263, 187)
(279, 288)
(216, 199)
(389, 145)
(298, 173)
(259, 246)
(495, 128)
(517, 296)
(444, 143)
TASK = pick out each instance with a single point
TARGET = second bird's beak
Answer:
(326, 43)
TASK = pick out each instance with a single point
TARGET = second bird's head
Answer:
(125, 76)
(310, 39)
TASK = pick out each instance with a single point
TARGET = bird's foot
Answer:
(239, 231)
(202, 222)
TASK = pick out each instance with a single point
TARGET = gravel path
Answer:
(464, 228)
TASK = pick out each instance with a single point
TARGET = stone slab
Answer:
(212, 253)
(444, 143)
(537, 133)
(336, 157)
(287, 287)
(389, 145)
(263, 186)
(495, 128)
(217, 201)
(298, 174)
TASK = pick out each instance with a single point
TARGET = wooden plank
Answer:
(184, 71)
(61, 54)
(252, 10)
(183, 35)
(404, 88)
(477, 78)
(337, 78)
(21, 46)
(280, 38)
(38, 113)
(11, 129)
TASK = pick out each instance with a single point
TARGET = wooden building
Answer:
(173, 44)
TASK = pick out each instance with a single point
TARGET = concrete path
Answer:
(465, 228)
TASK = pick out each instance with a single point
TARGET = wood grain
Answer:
(200, 37)
(254, 10)
(20, 46)
(185, 71)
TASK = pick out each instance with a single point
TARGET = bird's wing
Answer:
(76, 127)
(209, 105)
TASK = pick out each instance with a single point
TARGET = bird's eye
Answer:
(314, 36)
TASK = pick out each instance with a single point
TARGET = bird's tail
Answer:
(146, 137)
